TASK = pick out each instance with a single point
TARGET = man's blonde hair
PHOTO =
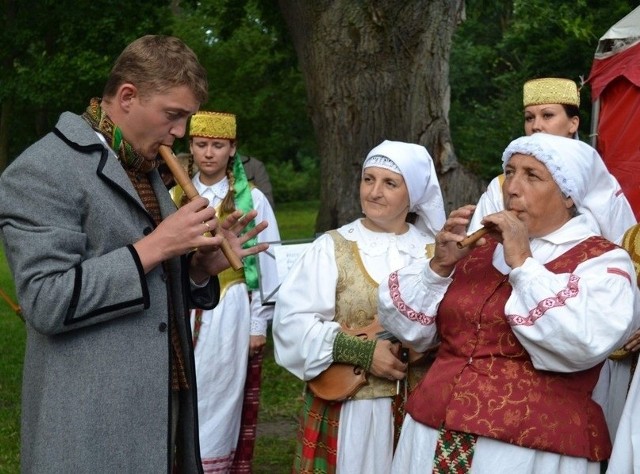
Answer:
(156, 63)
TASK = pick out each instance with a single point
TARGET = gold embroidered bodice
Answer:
(356, 304)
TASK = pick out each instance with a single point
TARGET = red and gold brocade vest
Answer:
(483, 381)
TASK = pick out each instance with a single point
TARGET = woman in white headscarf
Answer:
(333, 288)
(552, 105)
(525, 320)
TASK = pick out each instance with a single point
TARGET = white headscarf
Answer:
(415, 165)
(580, 174)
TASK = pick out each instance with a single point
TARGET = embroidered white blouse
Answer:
(568, 337)
(573, 335)
(303, 326)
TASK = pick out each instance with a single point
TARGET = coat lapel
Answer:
(74, 130)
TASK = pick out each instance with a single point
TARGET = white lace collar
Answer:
(216, 192)
(375, 244)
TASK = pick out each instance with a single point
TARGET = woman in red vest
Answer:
(525, 320)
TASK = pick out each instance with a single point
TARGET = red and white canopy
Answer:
(615, 94)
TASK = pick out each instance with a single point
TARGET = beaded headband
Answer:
(213, 125)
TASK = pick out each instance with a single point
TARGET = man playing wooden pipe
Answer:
(105, 271)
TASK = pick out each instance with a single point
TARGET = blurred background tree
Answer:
(500, 46)
(55, 55)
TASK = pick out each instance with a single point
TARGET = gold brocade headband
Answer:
(213, 125)
(550, 90)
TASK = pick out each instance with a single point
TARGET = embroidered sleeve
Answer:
(353, 350)
(572, 321)
(402, 307)
(408, 303)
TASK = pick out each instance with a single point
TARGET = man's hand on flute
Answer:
(207, 260)
(178, 234)
(183, 179)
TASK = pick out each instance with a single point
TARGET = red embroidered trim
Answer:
(571, 291)
(619, 271)
(219, 464)
(398, 302)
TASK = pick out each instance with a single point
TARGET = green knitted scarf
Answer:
(100, 122)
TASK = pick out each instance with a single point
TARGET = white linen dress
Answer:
(222, 346)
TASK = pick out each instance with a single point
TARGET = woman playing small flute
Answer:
(551, 105)
(525, 322)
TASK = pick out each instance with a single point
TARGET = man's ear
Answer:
(126, 93)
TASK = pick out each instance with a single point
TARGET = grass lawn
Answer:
(281, 392)
(12, 340)
(281, 395)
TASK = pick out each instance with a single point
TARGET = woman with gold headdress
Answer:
(233, 333)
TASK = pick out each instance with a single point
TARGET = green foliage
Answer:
(57, 54)
(503, 44)
(253, 73)
(296, 220)
(295, 183)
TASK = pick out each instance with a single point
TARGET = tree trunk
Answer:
(375, 71)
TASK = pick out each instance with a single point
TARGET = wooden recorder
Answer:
(183, 179)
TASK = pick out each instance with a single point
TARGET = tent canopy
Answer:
(623, 32)
(615, 93)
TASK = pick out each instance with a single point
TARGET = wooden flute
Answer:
(182, 178)
(473, 238)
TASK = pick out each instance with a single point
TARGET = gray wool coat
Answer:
(96, 392)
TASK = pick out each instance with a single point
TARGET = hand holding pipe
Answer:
(473, 238)
(182, 178)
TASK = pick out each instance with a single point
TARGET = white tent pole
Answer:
(595, 115)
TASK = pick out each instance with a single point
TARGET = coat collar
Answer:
(79, 135)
